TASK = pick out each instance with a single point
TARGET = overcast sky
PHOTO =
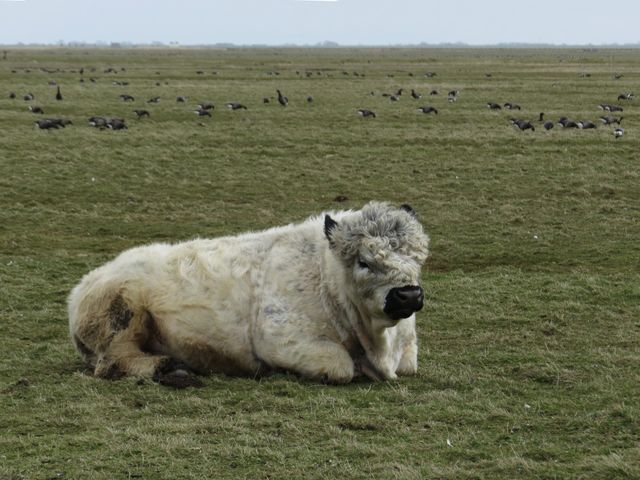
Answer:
(348, 22)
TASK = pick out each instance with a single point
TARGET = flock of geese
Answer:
(205, 109)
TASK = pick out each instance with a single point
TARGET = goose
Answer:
(34, 109)
(154, 100)
(394, 98)
(566, 123)
(548, 125)
(12, 95)
(626, 96)
(399, 92)
(46, 124)
(29, 97)
(282, 100)
(610, 108)
(512, 106)
(584, 124)
(309, 99)
(202, 113)
(433, 92)
(141, 113)
(181, 99)
(116, 124)
(618, 132)
(494, 106)
(98, 122)
(363, 112)
(205, 106)
(524, 125)
(415, 94)
(265, 100)
(611, 120)
(236, 106)
(453, 93)
(541, 117)
(428, 109)
(617, 76)
(58, 94)
(126, 98)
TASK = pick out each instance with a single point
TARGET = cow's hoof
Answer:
(178, 379)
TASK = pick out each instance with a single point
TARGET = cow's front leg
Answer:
(319, 359)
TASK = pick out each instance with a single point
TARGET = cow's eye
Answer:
(364, 265)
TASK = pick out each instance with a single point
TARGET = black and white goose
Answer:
(202, 113)
(618, 132)
(126, 98)
(236, 106)
(282, 100)
(564, 122)
(35, 109)
(610, 120)
(494, 106)
(428, 109)
(433, 92)
(626, 96)
(181, 99)
(58, 94)
(154, 100)
(512, 106)
(205, 106)
(586, 124)
(29, 97)
(141, 113)
(523, 124)
(541, 117)
(415, 94)
(364, 113)
(116, 124)
(548, 125)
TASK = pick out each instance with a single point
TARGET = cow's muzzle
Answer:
(402, 302)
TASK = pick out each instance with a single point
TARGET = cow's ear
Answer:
(329, 225)
(409, 209)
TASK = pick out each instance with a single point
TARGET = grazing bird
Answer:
(265, 100)
(47, 124)
(415, 94)
(523, 124)
(394, 98)
(626, 96)
(611, 120)
(141, 113)
(428, 109)
(12, 95)
(206, 106)
(181, 99)
(34, 109)
(98, 122)
(29, 97)
(154, 100)
(364, 113)
(453, 93)
(548, 125)
(116, 124)
(399, 92)
(433, 92)
(618, 132)
(512, 106)
(309, 99)
(585, 124)
(126, 98)
(566, 123)
(541, 117)
(610, 108)
(236, 106)
(430, 74)
(202, 113)
(282, 100)
(494, 106)
(58, 94)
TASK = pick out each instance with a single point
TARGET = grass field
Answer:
(529, 362)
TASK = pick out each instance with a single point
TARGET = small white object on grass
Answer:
(449, 444)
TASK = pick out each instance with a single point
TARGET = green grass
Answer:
(530, 338)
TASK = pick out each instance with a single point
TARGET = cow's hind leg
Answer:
(128, 352)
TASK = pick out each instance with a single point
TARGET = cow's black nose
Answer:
(402, 302)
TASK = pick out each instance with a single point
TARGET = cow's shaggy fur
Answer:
(310, 298)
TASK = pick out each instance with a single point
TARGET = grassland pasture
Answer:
(530, 337)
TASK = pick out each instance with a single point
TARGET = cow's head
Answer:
(382, 249)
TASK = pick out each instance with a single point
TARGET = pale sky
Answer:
(348, 22)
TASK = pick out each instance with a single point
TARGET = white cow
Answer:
(330, 298)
